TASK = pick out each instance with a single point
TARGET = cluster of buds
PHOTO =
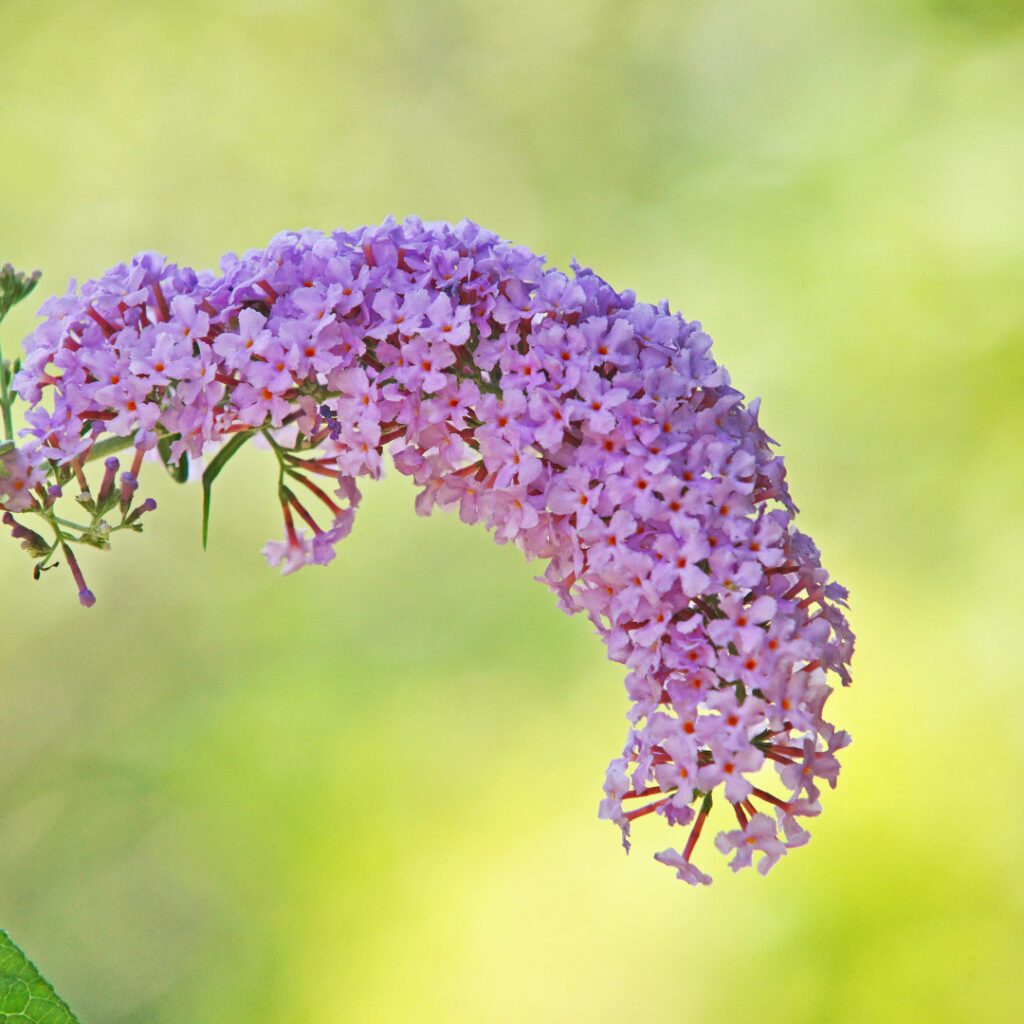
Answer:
(595, 432)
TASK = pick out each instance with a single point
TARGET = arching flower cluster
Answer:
(593, 431)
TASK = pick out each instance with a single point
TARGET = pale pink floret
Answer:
(758, 835)
(685, 871)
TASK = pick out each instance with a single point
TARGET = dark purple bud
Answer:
(147, 506)
(111, 465)
(333, 426)
(129, 485)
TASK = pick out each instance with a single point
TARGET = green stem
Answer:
(53, 520)
(280, 454)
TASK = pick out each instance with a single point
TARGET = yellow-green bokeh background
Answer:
(368, 793)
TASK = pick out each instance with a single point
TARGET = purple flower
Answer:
(593, 431)
(685, 871)
(20, 472)
(250, 339)
(760, 833)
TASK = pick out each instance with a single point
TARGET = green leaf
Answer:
(25, 996)
(179, 469)
(217, 463)
(109, 446)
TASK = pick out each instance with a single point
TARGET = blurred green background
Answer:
(368, 792)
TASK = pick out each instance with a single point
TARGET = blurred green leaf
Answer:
(25, 996)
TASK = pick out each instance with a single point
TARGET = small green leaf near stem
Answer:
(217, 463)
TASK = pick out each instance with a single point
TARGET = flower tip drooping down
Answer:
(593, 431)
